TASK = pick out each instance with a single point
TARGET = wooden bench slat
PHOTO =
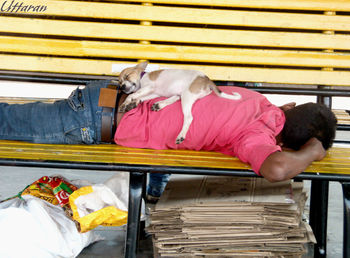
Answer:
(174, 34)
(337, 160)
(176, 53)
(226, 73)
(196, 16)
(343, 117)
(102, 148)
(107, 149)
(117, 155)
(97, 153)
(316, 5)
(344, 122)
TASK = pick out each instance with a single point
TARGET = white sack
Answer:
(31, 227)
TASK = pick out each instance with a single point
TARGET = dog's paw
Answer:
(179, 140)
(122, 108)
(130, 106)
(125, 107)
(155, 107)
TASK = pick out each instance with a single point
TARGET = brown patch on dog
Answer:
(199, 84)
(154, 75)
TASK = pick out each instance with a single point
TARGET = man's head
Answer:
(306, 121)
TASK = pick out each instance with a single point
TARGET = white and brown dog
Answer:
(189, 85)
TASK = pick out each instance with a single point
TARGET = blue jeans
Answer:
(76, 120)
(157, 183)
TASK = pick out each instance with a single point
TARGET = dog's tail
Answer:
(234, 96)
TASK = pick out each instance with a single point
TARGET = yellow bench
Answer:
(299, 47)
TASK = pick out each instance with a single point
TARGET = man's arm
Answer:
(284, 165)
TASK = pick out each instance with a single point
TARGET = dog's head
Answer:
(129, 78)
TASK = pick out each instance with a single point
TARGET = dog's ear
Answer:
(142, 65)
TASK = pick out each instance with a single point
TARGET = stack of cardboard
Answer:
(229, 216)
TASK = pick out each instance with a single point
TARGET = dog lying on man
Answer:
(175, 84)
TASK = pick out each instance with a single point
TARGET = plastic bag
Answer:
(102, 204)
(96, 205)
(119, 185)
(53, 189)
(32, 227)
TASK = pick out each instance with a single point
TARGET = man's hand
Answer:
(315, 146)
(287, 164)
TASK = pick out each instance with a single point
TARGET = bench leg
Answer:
(318, 215)
(346, 237)
(134, 211)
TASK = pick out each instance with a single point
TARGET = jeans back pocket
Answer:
(76, 100)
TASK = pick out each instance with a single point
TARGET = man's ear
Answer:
(142, 65)
(288, 106)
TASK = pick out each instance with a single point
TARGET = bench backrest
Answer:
(293, 42)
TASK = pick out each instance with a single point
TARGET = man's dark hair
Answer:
(306, 121)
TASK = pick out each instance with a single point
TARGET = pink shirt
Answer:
(244, 128)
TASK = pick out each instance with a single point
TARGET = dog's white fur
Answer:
(189, 85)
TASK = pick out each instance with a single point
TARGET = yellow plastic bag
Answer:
(94, 198)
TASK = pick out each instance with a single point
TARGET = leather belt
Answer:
(109, 100)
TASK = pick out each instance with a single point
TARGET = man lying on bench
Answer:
(252, 129)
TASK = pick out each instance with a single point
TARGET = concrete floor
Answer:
(14, 179)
